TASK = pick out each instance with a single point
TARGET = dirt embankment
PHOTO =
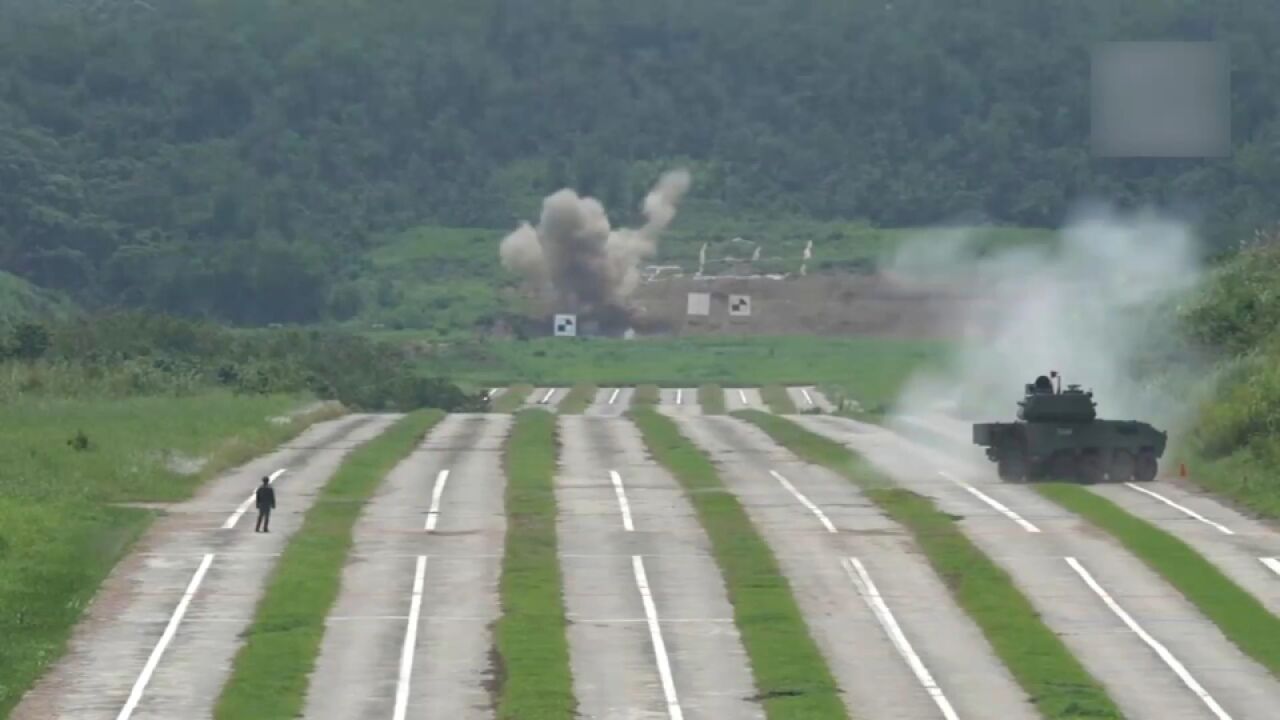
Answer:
(830, 305)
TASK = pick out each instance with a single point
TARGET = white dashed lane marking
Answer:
(1168, 657)
(433, 514)
(410, 640)
(655, 634)
(999, 506)
(817, 511)
(140, 686)
(871, 594)
(623, 505)
(1183, 509)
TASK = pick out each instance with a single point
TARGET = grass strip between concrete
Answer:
(578, 399)
(711, 398)
(790, 673)
(1237, 613)
(778, 399)
(1056, 682)
(511, 399)
(535, 679)
(646, 395)
(269, 676)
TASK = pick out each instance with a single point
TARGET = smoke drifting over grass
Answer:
(1094, 306)
(578, 262)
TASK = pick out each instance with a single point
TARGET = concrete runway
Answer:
(610, 402)
(809, 398)
(819, 525)
(743, 399)
(1234, 542)
(546, 397)
(679, 401)
(410, 632)
(1156, 654)
(651, 632)
(158, 640)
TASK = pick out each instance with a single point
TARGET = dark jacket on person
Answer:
(266, 498)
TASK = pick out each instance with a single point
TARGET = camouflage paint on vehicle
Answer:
(1058, 436)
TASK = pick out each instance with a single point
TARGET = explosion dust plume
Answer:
(1094, 306)
(577, 261)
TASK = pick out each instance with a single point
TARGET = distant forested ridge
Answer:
(235, 158)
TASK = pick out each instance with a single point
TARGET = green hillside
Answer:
(237, 158)
(1234, 448)
(20, 300)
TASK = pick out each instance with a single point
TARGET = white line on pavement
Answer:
(1154, 644)
(742, 395)
(244, 506)
(614, 396)
(822, 517)
(1272, 563)
(1185, 510)
(135, 696)
(545, 398)
(410, 641)
(862, 580)
(807, 398)
(659, 647)
(622, 500)
(663, 621)
(999, 506)
(433, 514)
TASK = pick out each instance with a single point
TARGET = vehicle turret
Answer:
(1045, 404)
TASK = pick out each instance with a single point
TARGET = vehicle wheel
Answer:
(1091, 470)
(1012, 469)
(1145, 468)
(1122, 466)
(1062, 466)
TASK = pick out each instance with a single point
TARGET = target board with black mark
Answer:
(740, 305)
(566, 325)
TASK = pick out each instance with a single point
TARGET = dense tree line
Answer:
(233, 158)
(139, 352)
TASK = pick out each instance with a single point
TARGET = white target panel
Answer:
(740, 305)
(699, 303)
(566, 326)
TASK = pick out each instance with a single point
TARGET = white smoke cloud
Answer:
(1086, 306)
(577, 260)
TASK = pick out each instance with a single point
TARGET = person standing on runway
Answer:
(266, 499)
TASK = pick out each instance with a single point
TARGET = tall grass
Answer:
(1234, 448)
(711, 398)
(778, 399)
(512, 398)
(647, 395)
(578, 399)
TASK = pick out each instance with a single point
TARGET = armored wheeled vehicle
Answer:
(1058, 436)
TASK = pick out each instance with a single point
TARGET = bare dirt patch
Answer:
(829, 304)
